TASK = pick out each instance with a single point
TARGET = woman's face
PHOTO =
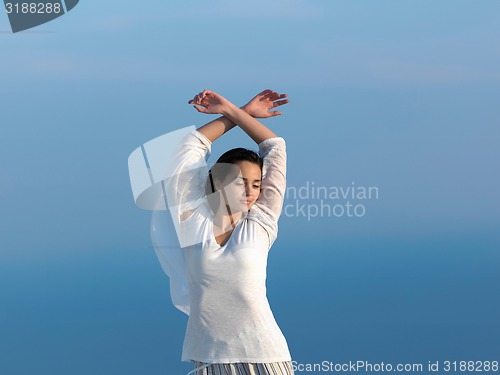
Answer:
(242, 193)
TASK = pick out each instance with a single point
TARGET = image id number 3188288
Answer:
(33, 8)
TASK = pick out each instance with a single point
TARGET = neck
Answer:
(226, 220)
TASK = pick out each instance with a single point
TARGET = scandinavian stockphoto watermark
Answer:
(173, 191)
(25, 14)
(439, 366)
(311, 200)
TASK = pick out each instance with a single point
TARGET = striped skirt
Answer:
(274, 368)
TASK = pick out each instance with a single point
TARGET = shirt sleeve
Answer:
(186, 187)
(170, 233)
(268, 207)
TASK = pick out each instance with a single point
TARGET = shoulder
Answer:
(266, 219)
(272, 143)
(202, 138)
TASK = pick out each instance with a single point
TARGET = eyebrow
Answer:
(243, 178)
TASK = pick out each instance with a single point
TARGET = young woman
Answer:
(230, 218)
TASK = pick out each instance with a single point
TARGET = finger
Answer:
(265, 94)
(279, 96)
(275, 95)
(200, 108)
(203, 97)
(280, 102)
(275, 113)
(198, 97)
(194, 100)
(207, 93)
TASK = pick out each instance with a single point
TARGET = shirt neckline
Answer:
(212, 235)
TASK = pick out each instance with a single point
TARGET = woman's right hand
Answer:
(210, 102)
(263, 102)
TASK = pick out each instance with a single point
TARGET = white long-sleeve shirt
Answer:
(230, 319)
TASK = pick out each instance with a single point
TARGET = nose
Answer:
(248, 190)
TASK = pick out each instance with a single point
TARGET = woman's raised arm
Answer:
(216, 128)
(258, 107)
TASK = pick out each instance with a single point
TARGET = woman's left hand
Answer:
(263, 102)
(210, 102)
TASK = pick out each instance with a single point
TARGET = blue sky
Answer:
(398, 95)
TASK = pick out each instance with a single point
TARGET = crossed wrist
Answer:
(229, 110)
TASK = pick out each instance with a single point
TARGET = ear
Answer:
(217, 184)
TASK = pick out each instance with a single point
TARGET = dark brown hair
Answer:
(222, 171)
